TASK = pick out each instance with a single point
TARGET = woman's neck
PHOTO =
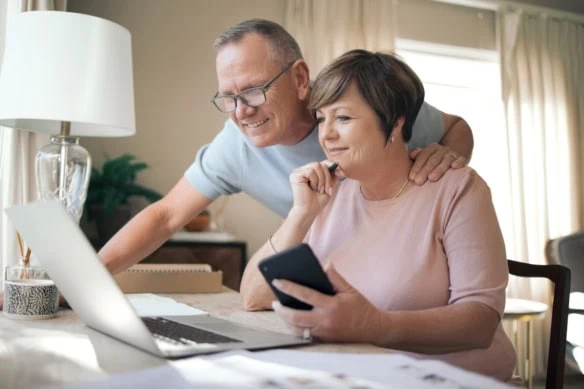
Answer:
(389, 179)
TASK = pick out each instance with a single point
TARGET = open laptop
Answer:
(64, 251)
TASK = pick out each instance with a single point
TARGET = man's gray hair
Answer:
(284, 48)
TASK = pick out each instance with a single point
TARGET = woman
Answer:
(416, 268)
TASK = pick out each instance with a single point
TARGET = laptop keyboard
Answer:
(183, 334)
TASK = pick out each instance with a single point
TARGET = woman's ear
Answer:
(302, 79)
(398, 127)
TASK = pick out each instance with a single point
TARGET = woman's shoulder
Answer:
(461, 176)
(458, 182)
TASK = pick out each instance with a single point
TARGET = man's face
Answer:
(248, 64)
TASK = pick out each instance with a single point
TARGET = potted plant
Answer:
(109, 192)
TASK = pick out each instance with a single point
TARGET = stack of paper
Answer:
(300, 369)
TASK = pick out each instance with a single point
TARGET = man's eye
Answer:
(343, 118)
(319, 120)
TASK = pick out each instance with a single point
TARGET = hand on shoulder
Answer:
(432, 162)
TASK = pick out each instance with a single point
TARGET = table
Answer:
(64, 350)
(525, 311)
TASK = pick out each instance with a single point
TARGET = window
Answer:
(467, 83)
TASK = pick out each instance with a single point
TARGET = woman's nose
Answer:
(327, 130)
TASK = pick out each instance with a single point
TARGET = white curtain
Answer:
(17, 151)
(326, 29)
(542, 72)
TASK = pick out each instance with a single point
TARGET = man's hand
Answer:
(432, 162)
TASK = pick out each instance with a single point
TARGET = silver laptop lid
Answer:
(63, 250)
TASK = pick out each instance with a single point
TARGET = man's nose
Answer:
(243, 110)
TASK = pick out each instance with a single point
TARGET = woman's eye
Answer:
(343, 118)
(319, 120)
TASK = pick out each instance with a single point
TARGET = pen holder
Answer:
(29, 293)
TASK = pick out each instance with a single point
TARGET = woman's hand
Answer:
(312, 186)
(344, 317)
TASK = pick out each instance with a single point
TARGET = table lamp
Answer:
(70, 75)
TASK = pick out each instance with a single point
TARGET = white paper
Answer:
(148, 304)
(242, 370)
(300, 369)
(391, 370)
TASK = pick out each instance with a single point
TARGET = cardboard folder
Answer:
(170, 278)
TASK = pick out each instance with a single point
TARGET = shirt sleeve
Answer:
(216, 170)
(474, 245)
(428, 127)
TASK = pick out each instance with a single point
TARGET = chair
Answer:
(560, 276)
(569, 251)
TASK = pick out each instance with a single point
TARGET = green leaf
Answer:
(116, 183)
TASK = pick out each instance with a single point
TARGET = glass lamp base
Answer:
(63, 168)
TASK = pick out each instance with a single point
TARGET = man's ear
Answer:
(302, 79)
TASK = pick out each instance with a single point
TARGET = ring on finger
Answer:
(454, 155)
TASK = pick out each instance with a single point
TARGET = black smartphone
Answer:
(297, 264)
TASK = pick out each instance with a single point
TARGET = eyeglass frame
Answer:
(263, 88)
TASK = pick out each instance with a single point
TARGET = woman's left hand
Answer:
(344, 317)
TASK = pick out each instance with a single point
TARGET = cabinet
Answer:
(221, 250)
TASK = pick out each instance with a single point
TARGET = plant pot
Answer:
(199, 223)
(107, 226)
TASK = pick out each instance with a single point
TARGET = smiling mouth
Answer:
(256, 124)
(336, 150)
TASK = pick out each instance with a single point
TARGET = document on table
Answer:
(148, 304)
(301, 369)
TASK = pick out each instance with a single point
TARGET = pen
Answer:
(333, 167)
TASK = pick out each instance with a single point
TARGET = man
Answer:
(264, 85)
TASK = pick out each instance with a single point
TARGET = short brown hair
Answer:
(283, 46)
(387, 83)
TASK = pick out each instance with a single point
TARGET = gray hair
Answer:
(283, 47)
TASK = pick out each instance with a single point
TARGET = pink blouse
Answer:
(434, 245)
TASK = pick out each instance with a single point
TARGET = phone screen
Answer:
(297, 264)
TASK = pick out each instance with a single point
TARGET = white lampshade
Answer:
(67, 67)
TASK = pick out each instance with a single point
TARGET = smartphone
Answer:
(297, 264)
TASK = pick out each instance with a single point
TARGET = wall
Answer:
(174, 80)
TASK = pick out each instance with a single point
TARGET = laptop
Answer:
(63, 250)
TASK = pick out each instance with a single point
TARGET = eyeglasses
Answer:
(252, 97)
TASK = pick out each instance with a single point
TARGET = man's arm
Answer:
(454, 151)
(150, 228)
(457, 136)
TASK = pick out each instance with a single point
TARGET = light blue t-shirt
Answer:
(232, 164)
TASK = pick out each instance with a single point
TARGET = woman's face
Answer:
(350, 133)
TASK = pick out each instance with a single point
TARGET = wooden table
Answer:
(64, 350)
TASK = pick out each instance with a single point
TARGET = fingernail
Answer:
(277, 283)
(276, 305)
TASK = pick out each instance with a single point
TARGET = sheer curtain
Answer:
(17, 151)
(326, 29)
(542, 71)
